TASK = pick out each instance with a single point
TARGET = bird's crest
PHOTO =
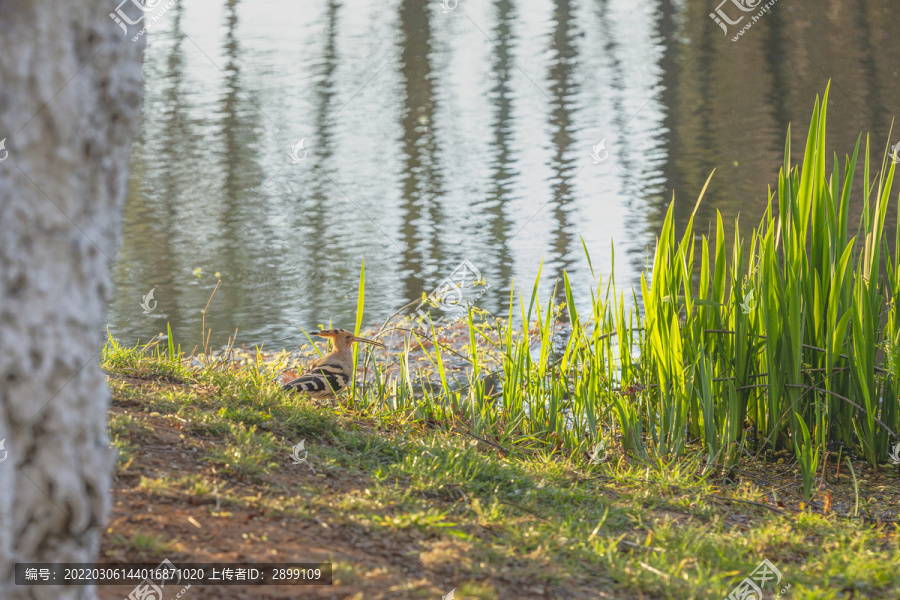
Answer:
(450, 595)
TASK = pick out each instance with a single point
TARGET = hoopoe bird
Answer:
(330, 374)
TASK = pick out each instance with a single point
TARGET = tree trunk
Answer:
(70, 99)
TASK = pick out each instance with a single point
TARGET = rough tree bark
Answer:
(70, 100)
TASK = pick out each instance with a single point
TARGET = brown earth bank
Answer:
(372, 565)
(176, 496)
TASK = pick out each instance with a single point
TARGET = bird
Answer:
(330, 374)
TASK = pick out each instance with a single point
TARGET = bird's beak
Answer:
(365, 341)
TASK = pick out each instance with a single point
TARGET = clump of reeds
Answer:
(791, 335)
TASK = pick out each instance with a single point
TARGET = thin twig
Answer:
(523, 509)
(809, 387)
(723, 498)
(203, 324)
(807, 346)
(469, 433)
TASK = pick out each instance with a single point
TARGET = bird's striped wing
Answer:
(320, 382)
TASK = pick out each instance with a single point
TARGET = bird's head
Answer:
(344, 339)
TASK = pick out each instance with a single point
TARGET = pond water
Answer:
(437, 134)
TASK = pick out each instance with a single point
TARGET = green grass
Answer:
(123, 431)
(732, 349)
(610, 463)
(145, 544)
(536, 515)
(159, 485)
(246, 452)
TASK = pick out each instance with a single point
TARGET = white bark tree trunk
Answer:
(70, 100)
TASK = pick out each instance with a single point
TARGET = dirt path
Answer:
(195, 529)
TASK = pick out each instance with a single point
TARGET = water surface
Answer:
(431, 138)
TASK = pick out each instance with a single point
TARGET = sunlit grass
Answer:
(740, 351)
(144, 544)
(123, 431)
(537, 514)
(246, 451)
(606, 451)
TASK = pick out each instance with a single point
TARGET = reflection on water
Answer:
(432, 138)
